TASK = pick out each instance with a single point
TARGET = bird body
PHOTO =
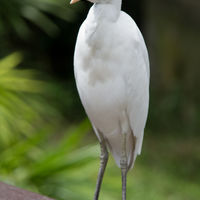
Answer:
(112, 75)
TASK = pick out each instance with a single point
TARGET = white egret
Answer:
(112, 75)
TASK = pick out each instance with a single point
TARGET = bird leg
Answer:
(103, 163)
(124, 166)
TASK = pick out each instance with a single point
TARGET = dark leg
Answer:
(103, 163)
(124, 167)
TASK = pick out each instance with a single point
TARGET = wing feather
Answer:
(137, 83)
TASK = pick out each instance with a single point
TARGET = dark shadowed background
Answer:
(46, 142)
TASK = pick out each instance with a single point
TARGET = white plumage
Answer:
(112, 76)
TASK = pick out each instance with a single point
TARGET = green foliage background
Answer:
(46, 144)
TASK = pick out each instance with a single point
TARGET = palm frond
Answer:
(15, 13)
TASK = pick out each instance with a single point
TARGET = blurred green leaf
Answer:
(40, 19)
(53, 159)
(20, 111)
(10, 62)
(15, 13)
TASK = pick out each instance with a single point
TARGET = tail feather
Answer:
(114, 144)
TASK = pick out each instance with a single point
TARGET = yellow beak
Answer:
(74, 1)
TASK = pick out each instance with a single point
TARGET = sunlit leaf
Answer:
(10, 62)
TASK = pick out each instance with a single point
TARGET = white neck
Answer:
(116, 3)
(107, 9)
(100, 14)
